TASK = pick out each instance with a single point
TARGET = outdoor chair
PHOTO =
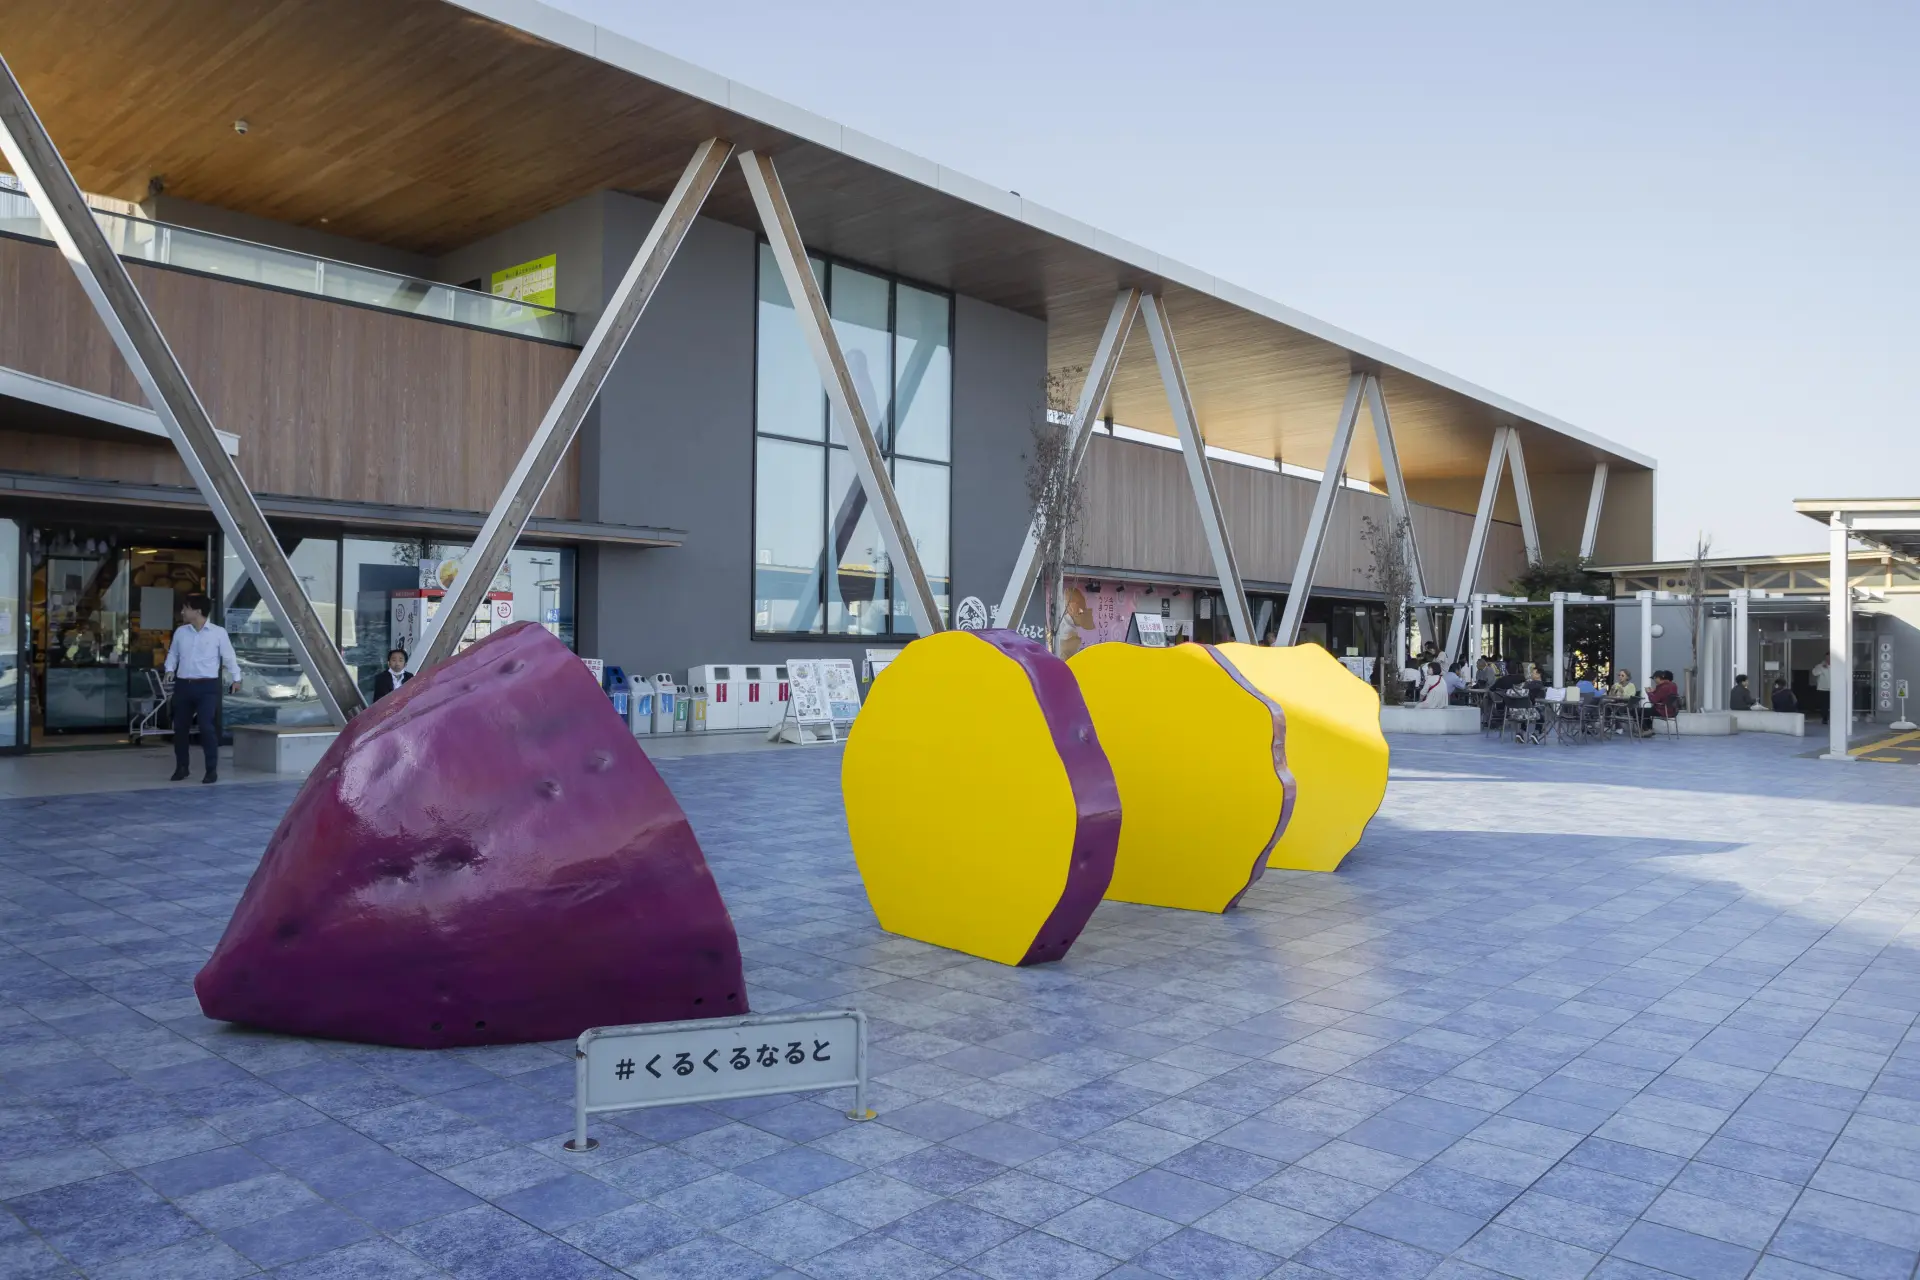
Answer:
(1665, 721)
(1525, 718)
(1567, 716)
(1622, 717)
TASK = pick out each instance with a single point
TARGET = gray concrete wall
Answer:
(999, 391)
(574, 233)
(671, 444)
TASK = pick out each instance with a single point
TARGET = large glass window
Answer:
(12, 623)
(392, 587)
(820, 567)
(274, 688)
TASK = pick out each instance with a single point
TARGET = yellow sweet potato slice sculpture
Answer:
(1200, 756)
(1334, 748)
(983, 814)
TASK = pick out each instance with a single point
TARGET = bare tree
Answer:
(1697, 618)
(1057, 497)
(1390, 569)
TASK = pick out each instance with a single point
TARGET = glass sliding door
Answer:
(13, 628)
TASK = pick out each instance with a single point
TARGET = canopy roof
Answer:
(1889, 523)
(427, 125)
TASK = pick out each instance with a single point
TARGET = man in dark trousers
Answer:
(394, 676)
(200, 652)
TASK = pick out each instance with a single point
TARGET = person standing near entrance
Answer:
(200, 652)
(1822, 677)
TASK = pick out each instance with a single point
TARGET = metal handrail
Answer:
(209, 252)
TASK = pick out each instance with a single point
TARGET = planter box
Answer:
(1430, 719)
(1791, 723)
(1706, 724)
(272, 749)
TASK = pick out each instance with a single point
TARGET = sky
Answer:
(1688, 227)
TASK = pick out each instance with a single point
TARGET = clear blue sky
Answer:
(1688, 227)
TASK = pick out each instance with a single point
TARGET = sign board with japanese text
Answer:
(528, 282)
(709, 1059)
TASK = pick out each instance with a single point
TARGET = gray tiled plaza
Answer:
(1626, 1011)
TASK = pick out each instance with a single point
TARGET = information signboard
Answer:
(843, 689)
(709, 1059)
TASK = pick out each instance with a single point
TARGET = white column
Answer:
(1397, 502)
(1193, 447)
(1559, 639)
(1597, 495)
(1740, 633)
(1839, 641)
(1477, 543)
(1523, 496)
(1646, 637)
(1093, 394)
(1309, 558)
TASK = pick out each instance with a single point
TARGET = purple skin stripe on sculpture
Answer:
(1096, 796)
(1280, 769)
(485, 857)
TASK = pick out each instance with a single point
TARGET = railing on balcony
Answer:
(139, 240)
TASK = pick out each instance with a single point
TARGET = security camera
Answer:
(240, 127)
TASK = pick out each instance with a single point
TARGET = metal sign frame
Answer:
(857, 1081)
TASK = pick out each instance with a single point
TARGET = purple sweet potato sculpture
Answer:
(485, 857)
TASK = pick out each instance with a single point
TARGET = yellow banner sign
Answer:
(529, 282)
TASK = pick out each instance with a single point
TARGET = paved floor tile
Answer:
(1627, 1012)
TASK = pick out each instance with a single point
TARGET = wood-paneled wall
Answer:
(329, 400)
(1141, 517)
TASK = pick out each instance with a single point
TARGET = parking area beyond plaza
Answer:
(1631, 1012)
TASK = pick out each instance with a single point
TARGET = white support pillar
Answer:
(1093, 394)
(541, 458)
(1476, 620)
(1193, 448)
(1839, 640)
(1477, 542)
(1590, 535)
(1523, 495)
(1646, 636)
(156, 370)
(1559, 639)
(863, 448)
(1397, 502)
(1322, 515)
(1740, 631)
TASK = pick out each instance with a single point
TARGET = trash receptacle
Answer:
(682, 709)
(664, 703)
(640, 707)
(697, 704)
(615, 683)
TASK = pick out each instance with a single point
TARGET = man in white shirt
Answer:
(200, 652)
(1822, 677)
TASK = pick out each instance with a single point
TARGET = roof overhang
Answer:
(1892, 524)
(426, 126)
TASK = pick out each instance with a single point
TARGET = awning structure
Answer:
(1893, 525)
(425, 126)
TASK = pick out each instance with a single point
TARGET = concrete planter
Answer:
(1706, 724)
(1791, 723)
(1433, 720)
(272, 749)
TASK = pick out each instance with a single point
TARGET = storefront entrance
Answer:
(89, 646)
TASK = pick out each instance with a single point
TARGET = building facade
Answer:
(379, 345)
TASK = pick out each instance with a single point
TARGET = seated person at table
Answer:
(1485, 671)
(1456, 678)
(1585, 685)
(1536, 686)
(1433, 687)
(1783, 699)
(1665, 695)
(1503, 680)
(1623, 685)
(1741, 699)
